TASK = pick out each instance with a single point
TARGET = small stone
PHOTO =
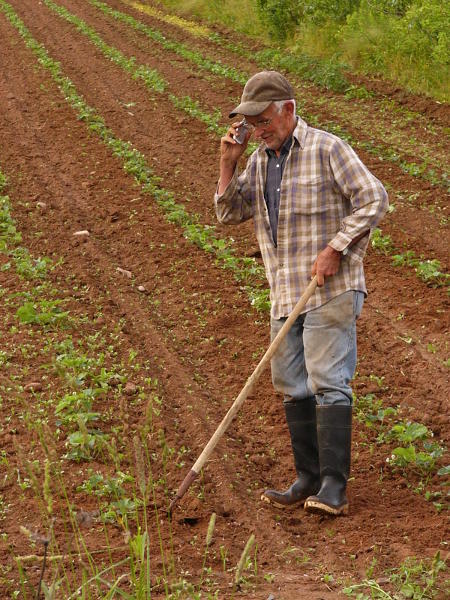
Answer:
(130, 389)
(33, 386)
(41, 205)
(82, 233)
(141, 288)
(124, 272)
(223, 510)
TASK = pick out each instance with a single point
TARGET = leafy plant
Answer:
(410, 456)
(370, 410)
(428, 271)
(84, 444)
(44, 312)
(415, 579)
(382, 243)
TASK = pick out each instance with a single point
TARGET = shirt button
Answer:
(278, 166)
(278, 189)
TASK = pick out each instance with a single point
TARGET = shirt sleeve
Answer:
(235, 204)
(366, 193)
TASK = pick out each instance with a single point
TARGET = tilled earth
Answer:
(193, 326)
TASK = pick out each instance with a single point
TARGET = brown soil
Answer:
(193, 328)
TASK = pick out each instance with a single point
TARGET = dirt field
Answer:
(166, 343)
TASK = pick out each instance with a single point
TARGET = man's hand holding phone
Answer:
(242, 129)
(232, 147)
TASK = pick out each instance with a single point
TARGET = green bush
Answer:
(281, 17)
(404, 40)
(322, 11)
(408, 41)
(424, 32)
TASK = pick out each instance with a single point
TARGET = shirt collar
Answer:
(300, 132)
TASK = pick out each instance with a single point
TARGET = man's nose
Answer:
(259, 131)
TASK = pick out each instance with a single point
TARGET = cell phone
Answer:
(241, 134)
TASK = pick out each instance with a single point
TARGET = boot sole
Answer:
(282, 506)
(319, 507)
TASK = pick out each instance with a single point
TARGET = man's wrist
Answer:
(334, 251)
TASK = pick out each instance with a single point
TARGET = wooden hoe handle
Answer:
(247, 389)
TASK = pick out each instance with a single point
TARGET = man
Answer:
(314, 204)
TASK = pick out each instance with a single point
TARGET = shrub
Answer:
(281, 17)
(407, 40)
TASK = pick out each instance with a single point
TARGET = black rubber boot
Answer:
(301, 420)
(334, 433)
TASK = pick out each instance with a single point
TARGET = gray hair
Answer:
(280, 103)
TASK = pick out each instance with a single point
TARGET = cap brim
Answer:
(250, 109)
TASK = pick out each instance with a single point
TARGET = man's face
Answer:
(273, 126)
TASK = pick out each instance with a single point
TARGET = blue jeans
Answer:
(317, 358)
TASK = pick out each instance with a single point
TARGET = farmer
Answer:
(314, 204)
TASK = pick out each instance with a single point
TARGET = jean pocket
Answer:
(358, 302)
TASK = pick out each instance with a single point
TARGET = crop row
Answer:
(127, 498)
(421, 170)
(135, 163)
(390, 129)
(117, 502)
(244, 268)
(72, 412)
(322, 73)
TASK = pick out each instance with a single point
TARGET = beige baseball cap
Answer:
(260, 90)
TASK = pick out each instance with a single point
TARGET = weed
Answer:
(244, 561)
(416, 579)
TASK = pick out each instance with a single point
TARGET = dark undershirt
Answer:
(275, 168)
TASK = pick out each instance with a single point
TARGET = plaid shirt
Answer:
(328, 197)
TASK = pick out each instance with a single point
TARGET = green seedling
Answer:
(417, 452)
(44, 312)
(415, 579)
(382, 243)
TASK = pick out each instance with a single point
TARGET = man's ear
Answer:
(289, 106)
